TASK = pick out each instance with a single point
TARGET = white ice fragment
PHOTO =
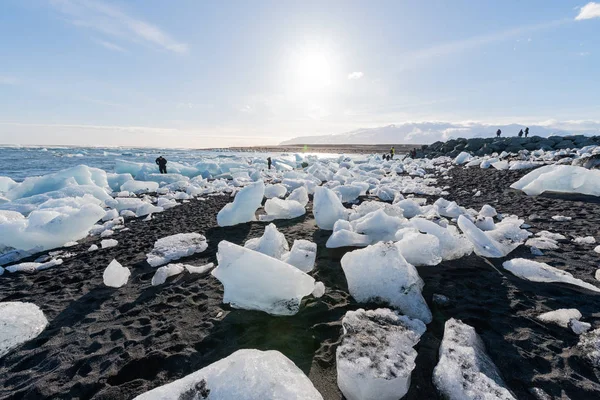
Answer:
(463, 158)
(300, 195)
(107, 233)
(302, 255)
(244, 205)
(589, 345)
(174, 247)
(327, 208)
(584, 240)
(31, 267)
(380, 273)
(347, 238)
(147, 209)
(255, 281)
(277, 190)
(485, 223)
(410, 208)
(379, 226)
(597, 274)
(347, 193)
(106, 243)
(561, 218)
(561, 317)
(199, 270)
(420, 248)
(110, 214)
(282, 209)
(139, 187)
(560, 178)
(488, 211)
(540, 272)
(376, 356)
(162, 273)
(245, 375)
(20, 322)
(579, 327)
(319, 290)
(271, 243)
(495, 243)
(464, 370)
(93, 247)
(116, 275)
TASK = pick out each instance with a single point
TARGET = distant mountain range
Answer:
(429, 132)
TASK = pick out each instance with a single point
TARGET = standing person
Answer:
(392, 152)
(498, 133)
(521, 133)
(162, 164)
(269, 162)
(526, 131)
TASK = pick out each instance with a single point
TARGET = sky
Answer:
(190, 73)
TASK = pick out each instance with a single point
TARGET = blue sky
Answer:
(206, 73)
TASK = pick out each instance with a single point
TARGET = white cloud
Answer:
(584, 53)
(110, 20)
(589, 11)
(110, 46)
(8, 80)
(355, 75)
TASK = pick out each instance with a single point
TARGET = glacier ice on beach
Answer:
(380, 273)
(300, 195)
(20, 322)
(376, 356)
(379, 226)
(255, 281)
(139, 187)
(464, 370)
(327, 208)
(276, 190)
(560, 317)
(498, 242)
(560, 178)
(244, 205)
(347, 238)
(197, 270)
(541, 272)
(115, 275)
(247, 374)
(589, 345)
(31, 267)
(174, 247)
(107, 243)
(271, 243)
(584, 240)
(277, 208)
(302, 255)
(164, 272)
(420, 248)
(453, 244)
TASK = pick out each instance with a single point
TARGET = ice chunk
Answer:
(245, 375)
(116, 275)
(162, 273)
(560, 178)
(319, 290)
(540, 272)
(380, 273)
(561, 316)
(543, 243)
(488, 211)
(198, 270)
(410, 208)
(498, 242)
(485, 223)
(105, 244)
(347, 193)
(454, 245)
(420, 249)
(589, 345)
(327, 208)
(107, 233)
(584, 240)
(6, 184)
(147, 209)
(579, 327)
(300, 195)
(464, 370)
(255, 281)
(347, 238)
(20, 322)
(282, 209)
(31, 267)
(463, 158)
(174, 247)
(93, 247)
(302, 255)
(271, 243)
(561, 218)
(379, 226)
(277, 190)
(376, 357)
(244, 206)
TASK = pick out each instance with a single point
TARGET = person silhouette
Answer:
(526, 131)
(269, 162)
(162, 164)
(498, 133)
(521, 133)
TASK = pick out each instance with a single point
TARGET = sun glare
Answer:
(313, 71)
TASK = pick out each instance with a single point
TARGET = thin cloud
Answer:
(355, 75)
(110, 46)
(8, 80)
(589, 11)
(112, 21)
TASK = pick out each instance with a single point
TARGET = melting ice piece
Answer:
(300, 195)
(175, 247)
(139, 187)
(245, 375)
(560, 178)
(464, 370)
(380, 273)
(327, 208)
(116, 275)
(454, 245)
(302, 255)
(579, 327)
(162, 273)
(463, 158)
(561, 316)
(540, 272)
(589, 345)
(199, 270)
(282, 209)
(255, 281)
(347, 238)
(244, 205)
(32, 267)
(488, 211)
(347, 193)
(498, 242)
(277, 190)
(376, 357)
(420, 249)
(106, 243)
(584, 240)
(20, 322)
(379, 226)
(271, 243)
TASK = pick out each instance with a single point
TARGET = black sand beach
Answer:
(105, 343)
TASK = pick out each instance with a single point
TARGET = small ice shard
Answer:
(410, 208)
(597, 274)
(199, 270)
(560, 317)
(543, 243)
(535, 251)
(244, 205)
(110, 214)
(162, 273)
(420, 248)
(464, 370)
(561, 218)
(148, 218)
(477, 194)
(485, 223)
(540, 272)
(271, 243)
(578, 327)
(255, 281)
(379, 226)
(282, 209)
(247, 374)
(584, 240)
(107, 233)
(496, 243)
(116, 275)
(174, 247)
(380, 273)
(273, 191)
(560, 178)
(327, 208)
(376, 356)
(106, 243)
(347, 238)
(93, 247)
(20, 322)
(31, 267)
(139, 187)
(300, 195)
(589, 345)
(597, 249)
(319, 290)
(302, 255)
(453, 244)
(488, 211)
(347, 193)
(147, 209)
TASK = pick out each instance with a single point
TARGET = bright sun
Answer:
(313, 71)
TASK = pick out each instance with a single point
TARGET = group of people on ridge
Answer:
(526, 133)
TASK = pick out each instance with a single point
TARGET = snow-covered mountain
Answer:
(429, 132)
